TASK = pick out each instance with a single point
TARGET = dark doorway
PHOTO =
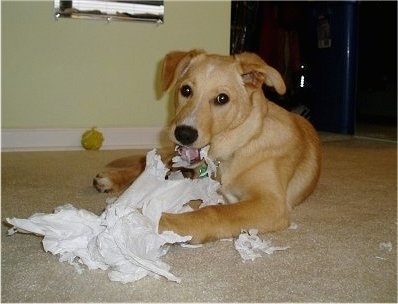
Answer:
(377, 70)
(337, 58)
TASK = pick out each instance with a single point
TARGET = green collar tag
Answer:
(203, 171)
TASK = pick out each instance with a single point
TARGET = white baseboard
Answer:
(69, 139)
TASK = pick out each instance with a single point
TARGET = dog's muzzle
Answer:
(185, 135)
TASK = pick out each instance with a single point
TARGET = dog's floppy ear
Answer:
(255, 72)
(174, 65)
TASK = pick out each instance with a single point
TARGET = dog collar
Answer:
(204, 169)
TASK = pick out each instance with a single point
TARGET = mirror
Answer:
(151, 11)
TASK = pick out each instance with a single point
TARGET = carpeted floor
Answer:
(336, 253)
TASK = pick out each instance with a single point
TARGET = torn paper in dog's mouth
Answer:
(190, 158)
(124, 239)
(189, 154)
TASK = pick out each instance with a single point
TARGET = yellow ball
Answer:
(92, 139)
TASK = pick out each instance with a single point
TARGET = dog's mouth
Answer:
(189, 155)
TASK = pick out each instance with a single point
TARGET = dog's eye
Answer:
(221, 99)
(186, 91)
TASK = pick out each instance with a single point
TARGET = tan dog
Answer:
(269, 159)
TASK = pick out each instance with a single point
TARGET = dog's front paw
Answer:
(103, 183)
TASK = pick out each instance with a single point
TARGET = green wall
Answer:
(79, 73)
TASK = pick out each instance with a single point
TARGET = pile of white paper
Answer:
(124, 239)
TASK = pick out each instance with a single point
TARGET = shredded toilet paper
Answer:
(250, 246)
(386, 246)
(124, 239)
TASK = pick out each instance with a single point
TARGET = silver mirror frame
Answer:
(109, 10)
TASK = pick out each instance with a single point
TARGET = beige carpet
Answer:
(336, 253)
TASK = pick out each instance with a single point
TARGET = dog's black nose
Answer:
(186, 135)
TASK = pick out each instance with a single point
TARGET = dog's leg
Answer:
(115, 180)
(224, 221)
(122, 172)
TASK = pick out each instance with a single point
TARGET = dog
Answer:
(269, 159)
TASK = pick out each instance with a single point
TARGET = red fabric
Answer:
(274, 38)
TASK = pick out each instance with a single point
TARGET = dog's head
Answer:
(214, 94)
